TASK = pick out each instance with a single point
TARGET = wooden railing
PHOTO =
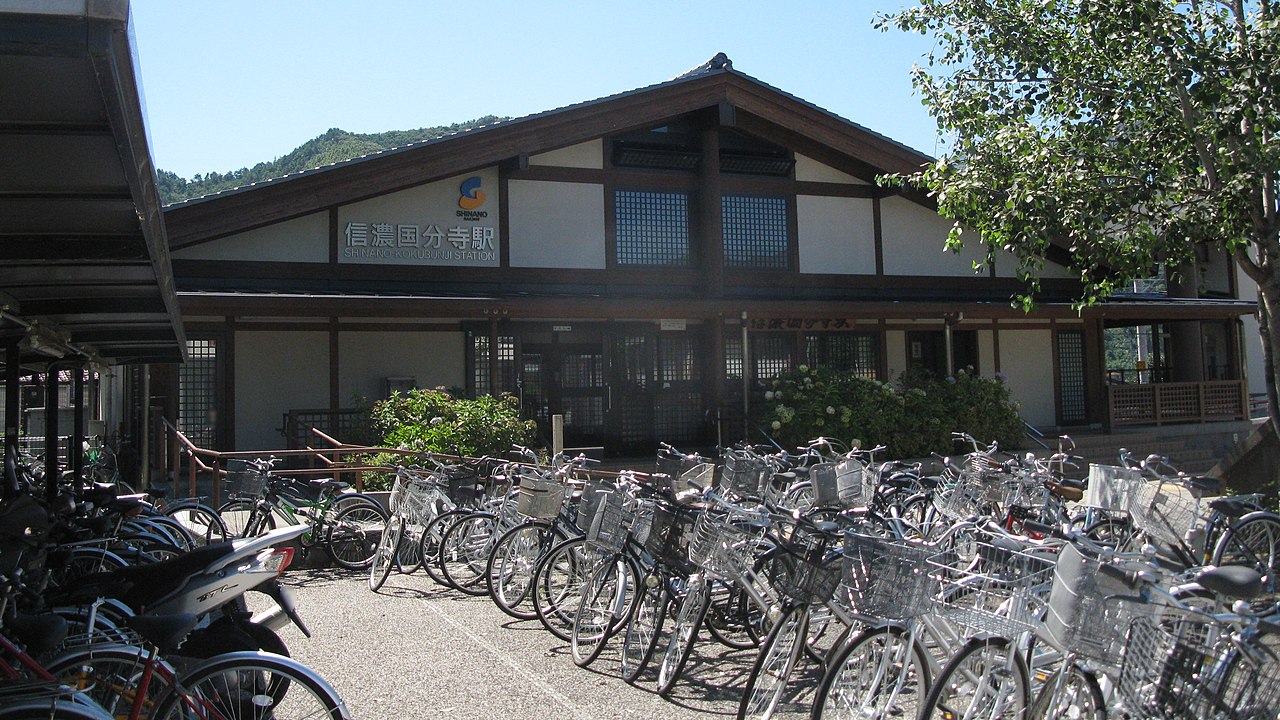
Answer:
(1184, 402)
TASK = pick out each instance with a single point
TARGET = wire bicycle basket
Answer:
(720, 546)
(844, 484)
(1001, 590)
(1163, 510)
(802, 570)
(669, 529)
(888, 579)
(1184, 668)
(1086, 607)
(743, 474)
(245, 479)
(601, 516)
(541, 497)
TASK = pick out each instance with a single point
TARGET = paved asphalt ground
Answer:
(416, 648)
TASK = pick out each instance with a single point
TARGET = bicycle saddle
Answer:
(1205, 485)
(40, 633)
(1233, 581)
(1234, 506)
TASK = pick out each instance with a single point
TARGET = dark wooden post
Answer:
(75, 453)
(711, 212)
(12, 404)
(51, 470)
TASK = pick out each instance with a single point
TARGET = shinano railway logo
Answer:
(470, 196)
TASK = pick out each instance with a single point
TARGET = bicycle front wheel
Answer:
(644, 627)
(464, 552)
(247, 686)
(774, 664)
(880, 673)
(693, 609)
(384, 558)
(511, 566)
(987, 679)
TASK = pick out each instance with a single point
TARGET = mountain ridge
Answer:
(333, 146)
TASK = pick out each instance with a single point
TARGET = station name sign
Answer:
(446, 224)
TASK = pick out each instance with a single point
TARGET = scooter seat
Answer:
(139, 586)
(166, 632)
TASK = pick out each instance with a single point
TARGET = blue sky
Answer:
(235, 82)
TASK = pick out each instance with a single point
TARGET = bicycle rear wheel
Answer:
(354, 535)
(202, 522)
(464, 552)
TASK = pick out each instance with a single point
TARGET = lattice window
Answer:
(677, 417)
(582, 371)
(651, 228)
(635, 360)
(678, 359)
(583, 414)
(755, 232)
(858, 353)
(1073, 397)
(198, 393)
(770, 355)
(506, 364)
(733, 355)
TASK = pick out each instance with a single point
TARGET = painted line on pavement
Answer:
(506, 659)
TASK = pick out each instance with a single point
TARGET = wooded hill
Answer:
(334, 146)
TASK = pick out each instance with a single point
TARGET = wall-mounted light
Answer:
(45, 340)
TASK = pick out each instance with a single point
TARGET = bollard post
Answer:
(557, 434)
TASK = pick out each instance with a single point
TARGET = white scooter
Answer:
(210, 582)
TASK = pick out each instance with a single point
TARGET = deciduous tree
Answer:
(1127, 131)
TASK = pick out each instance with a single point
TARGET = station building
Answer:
(640, 264)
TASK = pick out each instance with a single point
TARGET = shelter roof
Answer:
(82, 238)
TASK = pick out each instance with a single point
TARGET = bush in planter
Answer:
(437, 421)
(914, 418)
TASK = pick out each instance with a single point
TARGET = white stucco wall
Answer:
(367, 358)
(837, 235)
(304, 239)
(810, 170)
(276, 372)
(583, 155)
(914, 241)
(1026, 360)
(556, 225)
(896, 350)
(986, 352)
(1257, 375)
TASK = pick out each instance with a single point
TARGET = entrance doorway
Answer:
(658, 389)
(566, 380)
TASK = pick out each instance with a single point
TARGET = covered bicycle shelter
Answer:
(85, 278)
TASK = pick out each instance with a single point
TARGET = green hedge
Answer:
(914, 416)
(437, 421)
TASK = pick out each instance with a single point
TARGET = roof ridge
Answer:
(719, 61)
